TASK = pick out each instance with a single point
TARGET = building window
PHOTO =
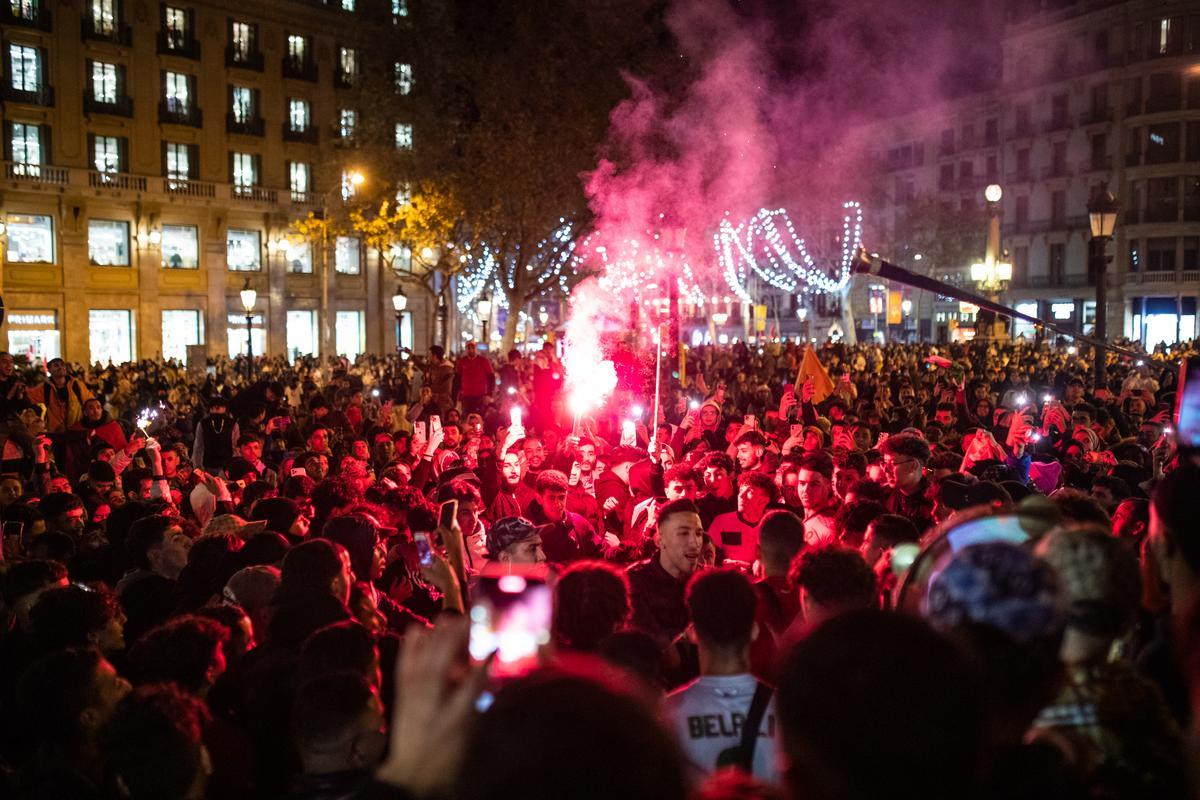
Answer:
(298, 255)
(404, 136)
(297, 49)
(243, 250)
(346, 255)
(236, 333)
(298, 179)
(104, 17)
(26, 153)
(404, 78)
(108, 242)
(242, 104)
(1160, 255)
(178, 27)
(1162, 143)
(24, 9)
(298, 115)
(1058, 263)
(1022, 210)
(404, 194)
(302, 338)
(245, 169)
(349, 333)
(179, 161)
(106, 154)
(1162, 200)
(1135, 260)
(399, 8)
(348, 5)
(181, 328)
(180, 247)
(30, 239)
(105, 82)
(347, 123)
(110, 333)
(347, 65)
(34, 333)
(25, 68)
(348, 189)
(242, 41)
(178, 92)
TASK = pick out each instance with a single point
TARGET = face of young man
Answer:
(680, 539)
(843, 479)
(526, 551)
(749, 455)
(814, 489)
(510, 469)
(554, 503)
(717, 481)
(752, 501)
(587, 458)
(679, 490)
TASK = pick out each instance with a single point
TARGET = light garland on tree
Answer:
(631, 268)
(759, 245)
(484, 271)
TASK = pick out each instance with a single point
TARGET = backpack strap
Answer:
(754, 718)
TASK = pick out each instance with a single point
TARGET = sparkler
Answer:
(145, 419)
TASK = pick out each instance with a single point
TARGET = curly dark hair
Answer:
(67, 616)
(835, 575)
(180, 651)
(591, 602)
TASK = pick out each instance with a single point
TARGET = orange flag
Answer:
(812, 369)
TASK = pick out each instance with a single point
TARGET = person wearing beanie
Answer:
(282, 515)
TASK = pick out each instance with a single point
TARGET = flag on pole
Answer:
(812, 369)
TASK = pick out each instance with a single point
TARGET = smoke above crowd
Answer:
(773, 114)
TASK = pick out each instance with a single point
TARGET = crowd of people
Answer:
(851, 571)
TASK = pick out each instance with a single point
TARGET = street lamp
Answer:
(1102, 210)
(399, 303)
(484, 309)
(993, 275)
(543, 316)
(249, 296)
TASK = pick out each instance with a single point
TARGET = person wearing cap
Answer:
(702, 424)
(515, 540)
(253, 588)
(216, 433)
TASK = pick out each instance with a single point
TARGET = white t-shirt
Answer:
(707, 717)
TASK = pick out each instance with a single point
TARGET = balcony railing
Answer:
(1057, 124)
(343, 79)
(180, 115)
(244, 59)
(96, 31)
(41, 96)
(183, 187)
(254, 194)
(1055, 171)
(31, 14)
(37, 173)
(120, 107)
(308, 134)
(305, 198)
(298, 69)
(1096, 116)
(1097, 164)
(117, 180)
(174, 43)
(246, 127)
(1067, 281)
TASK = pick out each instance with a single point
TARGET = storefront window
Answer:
(350, 333)
(110, 332)
(34, 334)
(347, 255)
(1020, 326)
(30, 239)
(243, 250)
(237, 335)
(299, 256)
(180, 247)
(180, 328)
(302, 336)
(108, 242)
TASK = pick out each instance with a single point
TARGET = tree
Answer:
(515, 104)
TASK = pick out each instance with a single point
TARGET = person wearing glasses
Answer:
(904, 458)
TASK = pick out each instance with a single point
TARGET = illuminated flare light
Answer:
(146, 418)
(759, 245)
(590, 377)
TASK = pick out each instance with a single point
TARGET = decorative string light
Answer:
(485, 271)
(634, 268)
(759, 245)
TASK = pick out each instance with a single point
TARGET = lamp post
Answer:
(484, 309)
(1102, 216)
(993, 275)
(399, 303)
(249, 296)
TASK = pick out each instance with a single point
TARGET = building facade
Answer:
(155, 156)
(1091, 92)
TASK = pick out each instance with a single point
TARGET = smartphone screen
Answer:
(628, 433)
(424, 548)
(1187, 409)
(435, 423)
(510, 617)
(448, 514)
(419, 431)
(514, 416)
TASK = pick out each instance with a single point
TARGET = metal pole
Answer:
(1099, 269)
(249, 347)
(323, 345)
